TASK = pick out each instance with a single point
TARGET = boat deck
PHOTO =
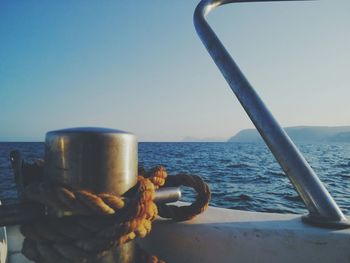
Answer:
(224, 235)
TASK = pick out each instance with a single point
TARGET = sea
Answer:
(241, 176)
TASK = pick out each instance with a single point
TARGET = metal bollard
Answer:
(94, 159)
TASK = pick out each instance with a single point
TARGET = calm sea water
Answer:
(241, 175)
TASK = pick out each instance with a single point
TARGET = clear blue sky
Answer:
(139, 66)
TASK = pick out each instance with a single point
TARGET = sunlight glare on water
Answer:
(241, 175)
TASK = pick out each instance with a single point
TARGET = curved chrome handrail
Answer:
(323, 210)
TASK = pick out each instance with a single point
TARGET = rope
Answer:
(102, 221)
(182, 213)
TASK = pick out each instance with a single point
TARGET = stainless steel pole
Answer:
(95, 159)
(323, 210)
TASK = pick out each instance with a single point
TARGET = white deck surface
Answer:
(223, 235)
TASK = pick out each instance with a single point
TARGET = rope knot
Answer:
(102, 221)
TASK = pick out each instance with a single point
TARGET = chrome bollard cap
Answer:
(94, 159)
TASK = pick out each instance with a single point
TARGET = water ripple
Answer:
(241, 175)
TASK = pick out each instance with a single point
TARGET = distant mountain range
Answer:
(301, 134)
(194, 139)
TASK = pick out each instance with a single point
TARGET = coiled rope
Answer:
(102, 221)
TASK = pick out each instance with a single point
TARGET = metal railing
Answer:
(322, 208)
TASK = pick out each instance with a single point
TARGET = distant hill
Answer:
(301, 134)
(194, 139)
